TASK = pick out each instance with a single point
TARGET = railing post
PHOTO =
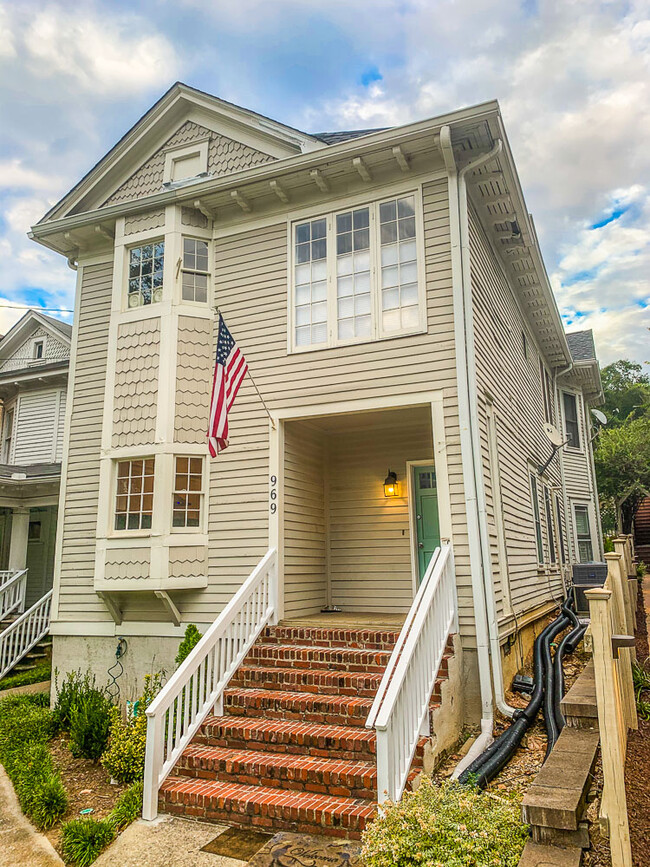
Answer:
(383, 763)
(153, 761)
(612, 728)
(23, 592)
(617, 582)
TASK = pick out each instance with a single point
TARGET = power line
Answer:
(38, 309)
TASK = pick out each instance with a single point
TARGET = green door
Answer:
(427, 522)
(41, 540)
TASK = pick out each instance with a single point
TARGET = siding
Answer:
(136, 383)
(35, 426)
(55, 350)
(77, 599)
(513, 383)
(305, 520)
(60, 431)
(193, 373)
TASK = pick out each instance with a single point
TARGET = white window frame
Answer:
(581, 432)
(183, 270)
(134, 245)
(35, 342)
(197, 148)
(375, 271)
(139, 531)
(202, 494)
(534, 484)
(8, 433)
(587, 506)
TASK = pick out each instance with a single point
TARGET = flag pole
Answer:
(259, 394)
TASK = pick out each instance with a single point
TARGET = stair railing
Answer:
(400, 711)
(196, 688)
(24, 633)
(13, 587)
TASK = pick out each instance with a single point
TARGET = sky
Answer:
(572, 78)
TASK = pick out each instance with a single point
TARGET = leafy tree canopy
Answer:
(622, 460)
(627, 392)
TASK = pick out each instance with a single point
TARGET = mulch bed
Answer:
(87, 785)
(637, 765)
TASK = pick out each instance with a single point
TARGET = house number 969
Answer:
(273, 495)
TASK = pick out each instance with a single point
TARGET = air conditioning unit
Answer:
(585, 577)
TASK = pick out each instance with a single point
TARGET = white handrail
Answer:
(24, 633)
(13, 587)
(400, 711)
(188, 697)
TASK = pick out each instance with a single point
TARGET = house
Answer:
(34, 358)
(390, 457)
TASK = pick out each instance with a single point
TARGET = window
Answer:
(547, 392)
(195, 270)
(524, 344)
(34, 531)
(188, 492)
(583, 534)
(548, 506)
(134, 497)
(7, 436)
(571, 426)
(38, 352)
(355, 275)
(537, 518)
(146, 264)
(560, 528)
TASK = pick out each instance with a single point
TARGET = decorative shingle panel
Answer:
(192, 217)
(225, 156)
(54, 350)
(193, 372)
(130, 563)
(136, 383)
(188, 562)
(144, 222)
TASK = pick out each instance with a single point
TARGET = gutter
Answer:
(487, 638)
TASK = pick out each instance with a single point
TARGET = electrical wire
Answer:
(37, 309)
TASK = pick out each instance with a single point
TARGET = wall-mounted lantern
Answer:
(391, 485)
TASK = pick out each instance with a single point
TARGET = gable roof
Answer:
(33, 319)
(581, 345)
(331, 138)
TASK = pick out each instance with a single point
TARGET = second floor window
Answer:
(195, 270)
(539, 539)
(571, 425)
(134, 495)
(146, 266)
(356, 275)
(583, 534)
(8, 436)
(188, 492)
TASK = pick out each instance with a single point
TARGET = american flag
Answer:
(230, 369)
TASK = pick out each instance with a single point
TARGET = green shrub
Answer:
(48, 800)
(23, 719)
(124, 758)
(641, 569)
(449, 825)
(82, 840)
(38, 786)
(90, 720)
(187, 645)
(41, 673)
(75, 686)
(128, 807)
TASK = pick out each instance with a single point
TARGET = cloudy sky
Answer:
(572, 77)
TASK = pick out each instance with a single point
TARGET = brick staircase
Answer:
(291, 751)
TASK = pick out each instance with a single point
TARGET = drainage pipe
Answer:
(567, 645)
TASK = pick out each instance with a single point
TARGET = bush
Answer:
(38, 786)
(90, 720)
(42, 672)
(187, 645)
(449, 825)
(128, 807)
(23, 719)
(641, 569)
(75, 686)
(124, 758)
(82, 840)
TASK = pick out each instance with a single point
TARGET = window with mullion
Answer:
(188, 492)
(583, 534)
(399, 267)
(134, 495)
(539, 540)
(310, 281)
(195, 270)
(353, 270)
(146, 265)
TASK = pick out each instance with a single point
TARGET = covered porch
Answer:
(346, 540)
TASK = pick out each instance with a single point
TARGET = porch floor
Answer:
(348, 619)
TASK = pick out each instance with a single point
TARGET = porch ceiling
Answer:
(405, 416)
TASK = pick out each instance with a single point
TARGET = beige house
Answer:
(389, 294)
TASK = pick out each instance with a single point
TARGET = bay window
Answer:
(134, 494)
(188, 492)
(356, 275)
(146, 265)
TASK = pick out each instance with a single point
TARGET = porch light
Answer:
(391, 486)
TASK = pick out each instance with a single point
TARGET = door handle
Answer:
(420, 544)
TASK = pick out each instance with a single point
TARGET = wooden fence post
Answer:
(621, 546)
(613, 729)
(617, 583)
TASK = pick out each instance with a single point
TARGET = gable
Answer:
(23, 356)
(224, 156)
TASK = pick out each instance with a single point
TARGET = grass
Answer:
(41, 673)
(82, 840)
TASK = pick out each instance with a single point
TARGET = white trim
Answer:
(582, 433)
(108, 629)
(413, 533)
(491, 416)
(198, 147)
(580, 502)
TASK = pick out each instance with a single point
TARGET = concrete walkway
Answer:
(165, 842)
(20, 843)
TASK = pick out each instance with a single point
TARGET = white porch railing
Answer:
(24, 633)
(13, 586)
(400, 712)
(192, 692)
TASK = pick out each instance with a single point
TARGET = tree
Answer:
(627, 391)
(622, 460)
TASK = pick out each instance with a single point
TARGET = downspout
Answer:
(565, 494)
(469, 481)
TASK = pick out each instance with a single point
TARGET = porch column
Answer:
(19, 534)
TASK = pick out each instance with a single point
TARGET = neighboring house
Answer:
(388, 291)
(642, 532)
(34, 358)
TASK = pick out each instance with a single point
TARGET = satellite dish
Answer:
(553, 435)
(599, 416)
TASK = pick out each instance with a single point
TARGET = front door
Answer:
(40, 552)
(427, 522)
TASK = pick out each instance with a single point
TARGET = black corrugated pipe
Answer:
(486, 766)
(567, 645)
(548, 705)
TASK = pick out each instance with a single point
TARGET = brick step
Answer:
(317, 656)
(325, 682)
(348, 779)
(272, 704)
(362, 639)
(263, 807)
